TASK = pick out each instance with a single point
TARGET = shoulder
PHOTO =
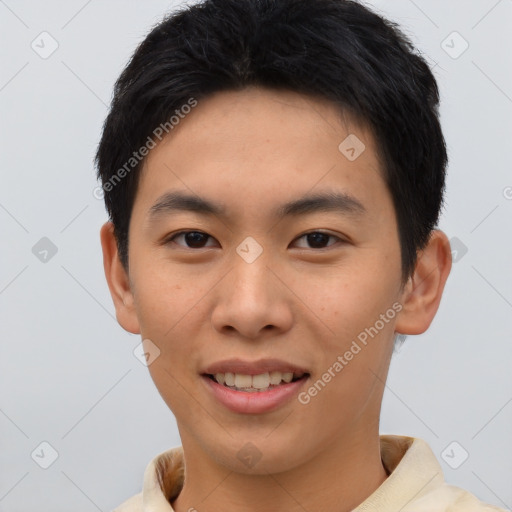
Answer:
(448, 498)
(133, 504)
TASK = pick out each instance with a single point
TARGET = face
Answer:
(296, 261)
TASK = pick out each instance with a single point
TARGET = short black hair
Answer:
(339, 50)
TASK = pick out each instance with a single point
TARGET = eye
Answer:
(193, 239)
(197, 239)
(317, 239)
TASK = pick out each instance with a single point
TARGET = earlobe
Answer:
(118, 281)
(422, 294)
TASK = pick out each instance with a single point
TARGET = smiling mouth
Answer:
(256, 383)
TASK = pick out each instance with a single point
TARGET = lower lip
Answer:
(256, 402)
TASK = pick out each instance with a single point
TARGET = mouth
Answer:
(260, 383)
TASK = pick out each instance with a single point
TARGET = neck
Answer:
(338, 478)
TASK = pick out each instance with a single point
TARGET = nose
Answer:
(251, 300)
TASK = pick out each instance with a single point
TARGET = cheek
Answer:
(354, 354)
(348, 299)
(174, 312)
(167, 317)
(163, 295)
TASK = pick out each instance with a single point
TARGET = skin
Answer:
(253, 150)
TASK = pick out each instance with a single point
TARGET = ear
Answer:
(118, 281)
(422, 293)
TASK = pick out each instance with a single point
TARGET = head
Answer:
(274, 174)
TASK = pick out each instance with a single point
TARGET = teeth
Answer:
(287, 377)
(243, 381)
(261, 381)
(275, 378)
(254, 382)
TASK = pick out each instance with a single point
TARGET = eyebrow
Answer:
(339, 202)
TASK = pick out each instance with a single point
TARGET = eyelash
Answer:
(176, 235)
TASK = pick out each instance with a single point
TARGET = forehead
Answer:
(257, 116)
(255, 144)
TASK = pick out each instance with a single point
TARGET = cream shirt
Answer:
(415, 484)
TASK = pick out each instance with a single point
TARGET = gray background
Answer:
(68, 375)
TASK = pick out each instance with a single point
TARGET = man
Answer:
(274, 173)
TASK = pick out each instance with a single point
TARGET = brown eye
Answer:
(193, 239)
(318, 239)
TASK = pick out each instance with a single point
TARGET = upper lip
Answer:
(253, 367)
